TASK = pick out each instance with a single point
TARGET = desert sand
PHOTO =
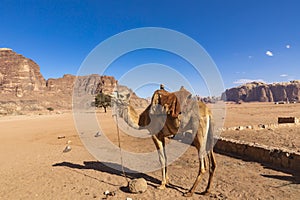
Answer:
(33, 165)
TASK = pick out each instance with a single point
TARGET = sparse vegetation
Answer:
(50, 109)
(102, 100)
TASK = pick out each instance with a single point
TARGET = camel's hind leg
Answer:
(160, 143)
(212, 167)
(200, 171)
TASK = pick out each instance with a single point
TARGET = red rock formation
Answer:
(62, 85)
(22, 86)
(262, 92)
(19, 75)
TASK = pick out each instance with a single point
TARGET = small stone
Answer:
(106, 192)
(97, 134)
(138, 185)
(262, 126)
(67, 149)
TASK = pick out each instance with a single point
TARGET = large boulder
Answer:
(137, 185)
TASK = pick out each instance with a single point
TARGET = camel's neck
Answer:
(130, 116)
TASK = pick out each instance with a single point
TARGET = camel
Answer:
(169, 114)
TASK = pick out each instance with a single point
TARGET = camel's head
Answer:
(121, 96)
(122, 108)
(121, 100)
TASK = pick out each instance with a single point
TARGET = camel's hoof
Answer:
(168, 181)
(161, 187)
(188, 194)
(205, 193)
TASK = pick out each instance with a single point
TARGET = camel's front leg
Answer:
(162, 159)
(166, 162)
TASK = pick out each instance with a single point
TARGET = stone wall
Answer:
(279, 158)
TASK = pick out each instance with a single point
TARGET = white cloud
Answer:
(288, 46)
(249, 57)
(244, 81)
(283, 75)
(269, 53)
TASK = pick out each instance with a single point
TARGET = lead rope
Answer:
(119, 142)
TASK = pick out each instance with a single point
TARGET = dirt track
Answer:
(33, 166)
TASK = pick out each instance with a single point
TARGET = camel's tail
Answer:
(210, 135)
(207, 137)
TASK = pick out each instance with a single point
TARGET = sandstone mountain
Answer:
(23, 88)
(19, 75)
(262, 92)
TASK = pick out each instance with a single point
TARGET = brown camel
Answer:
(169, 114)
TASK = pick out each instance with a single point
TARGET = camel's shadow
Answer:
(112, 168)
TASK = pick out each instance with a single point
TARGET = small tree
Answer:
(102, 100)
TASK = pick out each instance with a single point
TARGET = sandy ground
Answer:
(32, 165)
(253, 114)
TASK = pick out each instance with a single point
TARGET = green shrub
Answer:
(50, 109)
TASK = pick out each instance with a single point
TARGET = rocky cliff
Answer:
(23, 88)
(19, 75)
(262, 92)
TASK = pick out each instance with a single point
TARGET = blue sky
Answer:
(247, 39)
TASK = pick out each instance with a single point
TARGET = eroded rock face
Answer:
(91, 84)
(262, 92)
(19, 75)
(22, 86)
(62, 85)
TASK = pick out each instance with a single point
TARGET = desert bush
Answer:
(50, 109)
